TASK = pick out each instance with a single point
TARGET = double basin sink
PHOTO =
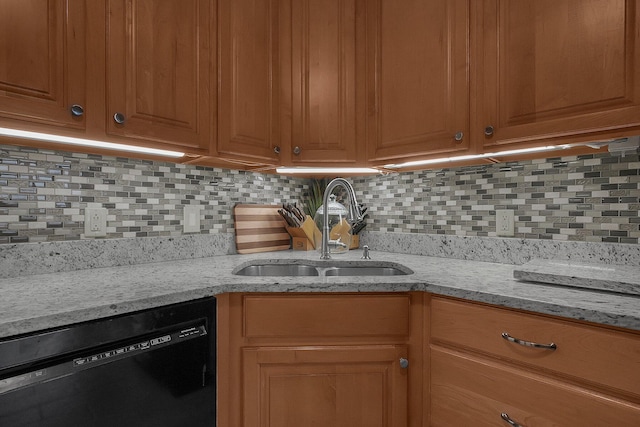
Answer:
(326, 268)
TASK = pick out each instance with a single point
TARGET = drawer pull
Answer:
(509, 421)
(508, 337)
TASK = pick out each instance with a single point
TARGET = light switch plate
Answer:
(95, 222)
(191, 221)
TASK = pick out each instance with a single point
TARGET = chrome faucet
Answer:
(354, 212)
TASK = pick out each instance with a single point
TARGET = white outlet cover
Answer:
(95, 222)
(505, 223)
(191, 221)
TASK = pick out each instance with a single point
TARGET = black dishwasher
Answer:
(149, 368)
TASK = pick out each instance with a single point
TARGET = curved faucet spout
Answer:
(354, 212)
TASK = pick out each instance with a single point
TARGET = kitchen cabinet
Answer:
(288, 82)
(551, 71)
(323, 71)
(249, 81)
(43, 50)
(584, 374)
(131, 72)
(160, 64)
(323, 82)
(417, 79)
(325, 359)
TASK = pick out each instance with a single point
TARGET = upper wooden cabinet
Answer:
(287, 88)
(249, 80)
(322, 74)
(160, 72)
(42, 63)
(322, 82)
(556, 69)
(417, 78)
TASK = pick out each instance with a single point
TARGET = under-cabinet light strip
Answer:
(476, 156)
(87, 142)
(310, 170)
(319, 170)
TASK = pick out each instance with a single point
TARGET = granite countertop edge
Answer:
(39, 302)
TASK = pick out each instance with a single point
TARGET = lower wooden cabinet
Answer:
(490, 366)
(350, 386)
(337, 359)
(417, 360)
(468, 390)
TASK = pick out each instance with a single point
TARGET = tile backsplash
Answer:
(43, 195)
(592, 198)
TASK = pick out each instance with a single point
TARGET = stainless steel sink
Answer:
(278, 270)
(364, 271)
(320, 268)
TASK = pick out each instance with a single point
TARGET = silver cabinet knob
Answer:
(488, 131)
(297, 150)
(77, 110)
(118, 118)
(276, 149)
(404, 363)
(458, 136)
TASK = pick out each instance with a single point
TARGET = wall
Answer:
(594, 198)
(43, 195)
(591, 198)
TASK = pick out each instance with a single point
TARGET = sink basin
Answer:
(275, 268)
(364, 271)
(278, 270)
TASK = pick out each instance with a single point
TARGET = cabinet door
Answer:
(557, 68)
(325, 386)
(159, 71)
(417, 78)
(322, 67)
(249, 83)
(42, 62)
(472, 391)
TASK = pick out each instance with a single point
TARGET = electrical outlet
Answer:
(191, 221)
(505, 223)
(95, 222)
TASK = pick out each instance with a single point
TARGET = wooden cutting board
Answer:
(260, 228)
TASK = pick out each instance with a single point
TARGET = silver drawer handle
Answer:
(508, 337)
(509, 421)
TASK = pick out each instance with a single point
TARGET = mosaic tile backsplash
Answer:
(43, 195)
(593, 198)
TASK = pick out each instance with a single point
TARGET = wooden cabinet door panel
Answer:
(42, 61)
(587, 353)
(470, 391)
(248, 109)
(323, 81)
(558, 68)
(159, 68)
(360, 386)
(327, 316)
(417, 77)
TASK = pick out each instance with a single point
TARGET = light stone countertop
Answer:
(36, 302)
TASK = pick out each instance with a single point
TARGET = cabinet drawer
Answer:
(599, 355)
(468, 391)
(270, 316)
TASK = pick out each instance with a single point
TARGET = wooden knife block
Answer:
(305, 236)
